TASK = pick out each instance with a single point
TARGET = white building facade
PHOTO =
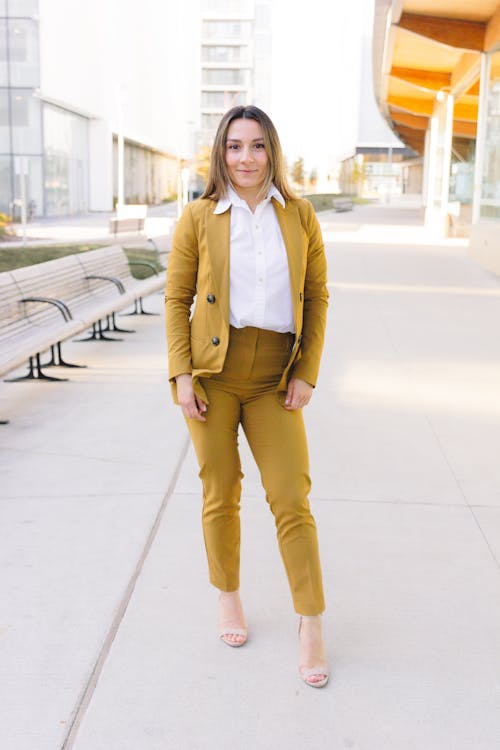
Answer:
(72, 75)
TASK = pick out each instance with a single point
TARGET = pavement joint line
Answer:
(93, 680)
(96, 495)
(378, 501)
(86, 456)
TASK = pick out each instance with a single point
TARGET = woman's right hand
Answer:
(192, 406)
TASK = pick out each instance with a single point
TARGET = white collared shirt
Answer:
(259, 280)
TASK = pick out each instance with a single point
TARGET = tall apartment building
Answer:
(235, 59)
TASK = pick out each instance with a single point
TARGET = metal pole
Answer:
(22, 178)
(389, 174)
(121, 150)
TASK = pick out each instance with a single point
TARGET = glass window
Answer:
(23, 53)
(221, 99)
(22, 8)
(4, 122)
(4, 71)
(210, 122)
(490, 193)
(31, 166)
(26, 122)
(226, 29)
(5, 185)
(221, 53)
(224, 76)
(65, 146)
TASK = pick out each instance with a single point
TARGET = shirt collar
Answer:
(233, 199)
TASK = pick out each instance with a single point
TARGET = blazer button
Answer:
(300, 296)
(216, 341)
(211, 298)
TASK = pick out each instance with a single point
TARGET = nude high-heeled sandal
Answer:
(316, 671)
(223, 632)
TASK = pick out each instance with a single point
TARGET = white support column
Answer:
(447, 143)
(100, 166)
(430, 197)
(484, 82)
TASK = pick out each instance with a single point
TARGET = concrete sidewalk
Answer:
(108, 626)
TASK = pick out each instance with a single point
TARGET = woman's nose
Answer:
(246, 154)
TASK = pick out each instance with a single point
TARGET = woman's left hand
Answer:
(298, 394)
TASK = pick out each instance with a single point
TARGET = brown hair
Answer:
(218, 177)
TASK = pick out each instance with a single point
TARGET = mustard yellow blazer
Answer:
(198, 267)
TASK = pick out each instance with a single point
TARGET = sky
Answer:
(316, 75)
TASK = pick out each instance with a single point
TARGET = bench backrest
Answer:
(12, 314)
(59, 279)
(106, 261)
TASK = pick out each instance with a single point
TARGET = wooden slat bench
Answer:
(48, 303)
(125, 225)
(342, 204)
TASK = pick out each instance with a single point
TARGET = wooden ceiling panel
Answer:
(412, 105)
(427, 80)
(455, 32)
(479, 10)
(414, 51)
(416, 122)
(495, 65)
(398, 87)
(465, 129)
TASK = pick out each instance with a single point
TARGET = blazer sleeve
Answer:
(315, 301)
(182, 272)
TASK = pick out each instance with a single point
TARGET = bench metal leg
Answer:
(57, 359)
(35, 372)
(111, 325)
(98, 334)
(139, 310)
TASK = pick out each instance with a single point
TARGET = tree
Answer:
(298, 175)
(202, 162)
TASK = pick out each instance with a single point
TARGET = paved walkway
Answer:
(107, 624)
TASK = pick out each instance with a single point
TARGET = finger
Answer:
(191, 411)
(194, 414)
(289, 395)
(202, 407)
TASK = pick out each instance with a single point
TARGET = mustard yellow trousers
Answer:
(245, 393)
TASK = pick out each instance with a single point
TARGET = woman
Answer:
(253, 255)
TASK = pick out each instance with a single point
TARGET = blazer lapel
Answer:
(291, 229)
(218, 233)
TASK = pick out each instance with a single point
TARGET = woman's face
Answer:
(246, 157)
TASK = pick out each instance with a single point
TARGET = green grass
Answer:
(17, 257)
(323, 201)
